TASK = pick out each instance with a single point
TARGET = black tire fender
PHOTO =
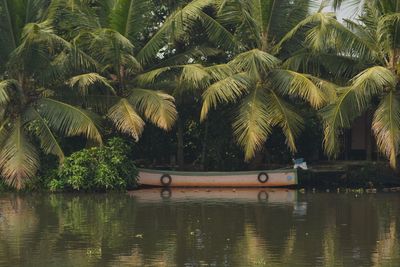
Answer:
(165, 180)
(263, 177)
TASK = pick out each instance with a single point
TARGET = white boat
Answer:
(265, 178)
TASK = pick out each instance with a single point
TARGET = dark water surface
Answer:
(200, 228)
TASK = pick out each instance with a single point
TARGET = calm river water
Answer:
(200, 228)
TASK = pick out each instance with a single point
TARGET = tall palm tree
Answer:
(257, 78)
(133, 53)
(31, 111)
(371, 45)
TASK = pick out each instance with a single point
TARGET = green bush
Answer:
(97, 169)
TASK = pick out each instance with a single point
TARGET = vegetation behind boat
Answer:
(54, 78)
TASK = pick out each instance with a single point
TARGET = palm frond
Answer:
(289, 82)
(40, 39)
(338, 116)
(128, 17)
(125, 118)
(4, 130)
(156, 106)
(150, 76)
(325, 32)
(5, 87)
(387, 30)
(194, 76)
(19, 159)
(84, 81)
(69, 120)
(48, 141)
(252, 124)
(285, 117)
(220, 71)
(227, 90)
(218, 33)
(255, 62)
(339, 66)
(386, 126)
(176, 24)
(374, 80)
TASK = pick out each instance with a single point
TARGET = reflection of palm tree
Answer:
(388, 245)
(18, 222)
(251, 249)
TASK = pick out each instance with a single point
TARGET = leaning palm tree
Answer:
(257, 78)
(371, 45)
(32, 114)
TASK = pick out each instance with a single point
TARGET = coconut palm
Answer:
(32, 114)
(257, 78)
(372, 44)
(133, 53)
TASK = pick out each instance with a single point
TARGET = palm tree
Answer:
(370, 46)
(139, 59)
(133, 53)
(32, 113)
(258, 78)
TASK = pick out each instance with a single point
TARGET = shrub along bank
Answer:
(96, 169)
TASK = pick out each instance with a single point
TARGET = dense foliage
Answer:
(235, 83)
(97, 169)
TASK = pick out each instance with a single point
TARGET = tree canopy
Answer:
(94, 68)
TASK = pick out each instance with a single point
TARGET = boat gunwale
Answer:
(189, 173)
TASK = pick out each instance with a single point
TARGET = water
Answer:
(200, 228)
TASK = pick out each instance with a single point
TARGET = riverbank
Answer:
(349, 174)
(321, 176)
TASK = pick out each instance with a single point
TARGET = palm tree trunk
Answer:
(368, 136)
(180, 147)
(204, 148)
(264, 41)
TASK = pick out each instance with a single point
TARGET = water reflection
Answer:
(202, 227)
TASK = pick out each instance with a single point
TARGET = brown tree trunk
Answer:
(368, 136)
(180, 147)
(204, 148)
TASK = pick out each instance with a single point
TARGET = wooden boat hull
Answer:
(269, 178)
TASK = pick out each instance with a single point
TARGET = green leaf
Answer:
(386, 126)
(256, 62)
(286, 117)
(129, 17)
(5, 88)
(227, 90)
(374, 80)
(293, 83)
(84, 81)
(48, 141)
(156, 106)
(174, 27)
(19, 159)
(252, 124)
(69, 120)
(125, 118)
(338, 116)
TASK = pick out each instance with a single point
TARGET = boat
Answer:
(264, 178)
